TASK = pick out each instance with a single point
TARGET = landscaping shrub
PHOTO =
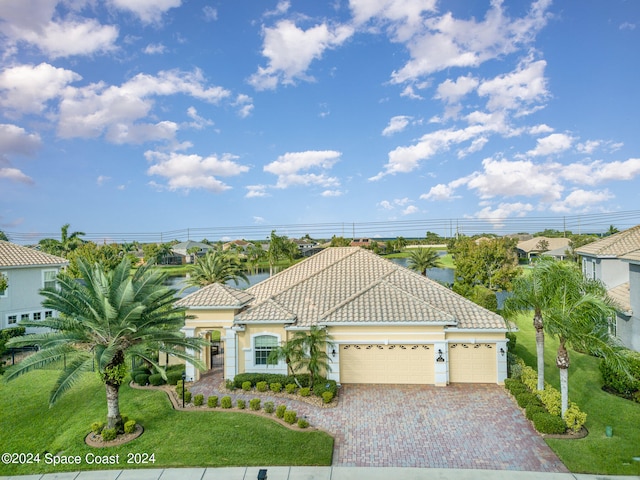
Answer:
(525, 398)
(246, 386)
(302, 423)
(620, 383)
(280, 411)
(254, 404)
(547, 423)
(551, 399)
(241, 404)
(529, 377)
(276, 387)
(323, 385)
(141, 379)
(270, 378)
(327, 397)
(290, 388)
(130, 426)
(304, 392)
(173, 377)
(229, 385)
(269, 407)
(109, 434)
(97, 427)
(512, 338)
(156, 380)
(515, 386)
(198, 400)
(574, 417)
(187, 396)
(262, 386)
(532, 409)
(212, 401)
(139, 371)
(225, 402)
(290, 416)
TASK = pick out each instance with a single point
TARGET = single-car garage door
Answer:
(401, 364)
(472, 363)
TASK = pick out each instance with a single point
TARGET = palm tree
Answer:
(533, 292)
(291, 353)
(421, 259)
(111, 317)
(66, 244)
(216, 267)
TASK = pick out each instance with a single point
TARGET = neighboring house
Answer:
(615, 261)
(27, 271)
(306, 247)
(389, 324)
(537, 246)
(183, 249)
(240, 246)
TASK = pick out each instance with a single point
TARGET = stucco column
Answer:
(230, 354)
(334, 364)
(190, 369)
(501, 358)
(441, 362)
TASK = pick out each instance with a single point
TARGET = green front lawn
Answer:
(177, 439)
(595, 453)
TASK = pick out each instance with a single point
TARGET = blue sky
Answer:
(157, 115)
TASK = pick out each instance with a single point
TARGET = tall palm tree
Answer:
(216, 267)
(421, 259)
(533, 292)
(66, 244)
(110, 317)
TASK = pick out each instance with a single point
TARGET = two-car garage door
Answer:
(414, 364)
(402, 364)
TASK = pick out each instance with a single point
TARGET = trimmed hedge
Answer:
(156, 380)
(525, 398)
(141, 379)
(550, 424)
(198, 400)
(173, 377)
(620, 383)
(212, 401)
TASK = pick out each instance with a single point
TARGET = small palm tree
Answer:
(66, 244)
(216, 267)
(421, 259)
(111, 317)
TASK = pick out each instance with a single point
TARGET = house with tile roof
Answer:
(615, 261)
(27, 271)
(536, 246)
(388, 323)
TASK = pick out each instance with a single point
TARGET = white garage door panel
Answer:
(401, 364)
(472, 363)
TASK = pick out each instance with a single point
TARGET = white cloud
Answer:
(290, 51)
(155, 49)
(15, 140)
(288, 167)
(102, 179)
(405, 204)
(332, 193)
(187, 172)
(256, 191)
(148, 11)
(554, 143)
(258, 220)
(588, 147)
(440, 192)
(540, 129)
(396, 124)
(386, 205)
(210, 13)
(599, 172)
(497, 216)
(579, 200)
(627, 26)
(281, 8)
(198, 122)
(410, 210)
(27, 88)
(452, 92)
(244, 104)
(15, 175)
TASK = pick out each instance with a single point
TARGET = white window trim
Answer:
(44, 272)
(252, 356)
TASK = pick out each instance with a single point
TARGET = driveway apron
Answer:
(463, 426)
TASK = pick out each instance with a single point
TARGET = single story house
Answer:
(539, 245)
(615, 261)
(388, 323)
(185, 249)
(27, 271)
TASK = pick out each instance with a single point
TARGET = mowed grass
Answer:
(176, 439)
(595, 454)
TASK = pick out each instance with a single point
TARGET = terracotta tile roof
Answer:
(621, 297)
(12, 255)
(633, 256)
(270, 311)
(216, 295)
(350, 284)
(616, 245)
(531, 245)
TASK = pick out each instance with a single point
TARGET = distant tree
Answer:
(551, 233)
(575, 242)
(254, 254)
(4, 284)
(216, 267)
(3, 236)
(193, 253)
(339, 242)
(543, 245)
(67, 243)
(109, 255)
(611, 231)
(278, 249)
(422, 259)
(434, 239)
(151, 252)
(400, 244)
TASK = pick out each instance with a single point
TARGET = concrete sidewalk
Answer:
(314, 473)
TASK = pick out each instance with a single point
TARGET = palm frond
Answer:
(70, 376)
(40, 359)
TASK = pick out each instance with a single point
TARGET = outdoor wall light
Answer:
(333, 353)
(502, 351)
(440, 358)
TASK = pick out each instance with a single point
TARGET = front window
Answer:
(37, 316)
(48, 314)
(49, 278)
(24, 316)
(12, 319)
(263, 345)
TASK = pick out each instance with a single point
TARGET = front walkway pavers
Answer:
(463, 426)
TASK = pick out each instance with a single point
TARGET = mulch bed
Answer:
(94, 440)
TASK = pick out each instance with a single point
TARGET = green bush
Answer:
(304, 392)
(574, 417)
(302, 423)
(97, 427)
(254, 404)
(173, 377)
(187, 396)
(198, 400)
(515, 386)
(547, 423)
(619, 382)
(229, 385)
(269, 407)
(485, 297)
(290, 388)
(156, 380)
(241, 404)
(532, 409)
(276, 387)
(262, 386)
(130, 426)
(212, 401)
(139, 371)
(327, 397)
(246, 386)
(323, 385)
(552, 399)
(141, 379)
(280, 411)
(225, 402)
(525, 398)
(513, 339)
(290, 416)
(109, 434)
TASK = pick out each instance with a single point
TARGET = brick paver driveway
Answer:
(459, 426)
